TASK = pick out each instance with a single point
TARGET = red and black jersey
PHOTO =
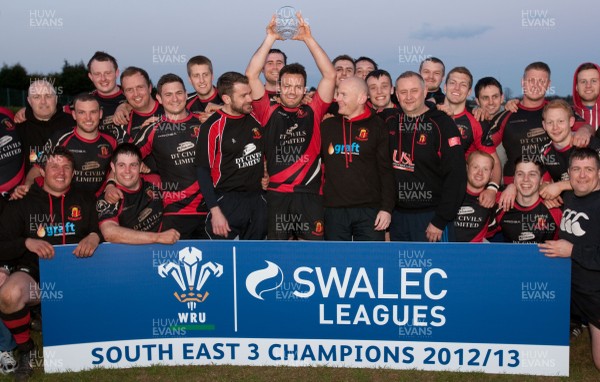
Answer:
(232, 148)
(472, 220)
(196, 105)
(273, 96)
(491, 129)
(35, 133)
(140, 209)
(109, 105)
(533, 224)
(172, 145)
(522, 135)
(556, 162)
(292, 144)
(137, 120)
(66, 219)
(356, 163)
(471, 133)
(429, 165)
(92, 157)
(12, 168)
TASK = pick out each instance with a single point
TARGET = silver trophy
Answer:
(286, 22)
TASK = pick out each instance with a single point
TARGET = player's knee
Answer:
(12, 298)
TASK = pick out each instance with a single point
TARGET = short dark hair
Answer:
(538, 65)
(294, 68)
(167, 79)
(378, 73)
(485, 82)
(227, 80)
(530, 159)
(132, 70)
(275, 50)
(343, 57)
(461, 70)
(85, 97)
(363, 58)
(586, 66)
(199, 60)
(102, 57)
(126, 148)
(435, 60)
(58, 151)
(582, 153)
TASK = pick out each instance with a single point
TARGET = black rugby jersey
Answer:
(522, 135)
(92, 157)
(12, 167)
(139, 209)
(556, 162)
(533, 224)
(292, 144)
(172, 145)
(472, 220)
(232, 148)
(196, 105)
(471, 133)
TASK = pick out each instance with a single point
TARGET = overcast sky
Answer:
(490, 38)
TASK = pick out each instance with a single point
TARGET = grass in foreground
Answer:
(581, 369)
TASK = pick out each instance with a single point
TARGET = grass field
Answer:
(581, 369)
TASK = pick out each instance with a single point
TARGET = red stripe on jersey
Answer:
(215, 138)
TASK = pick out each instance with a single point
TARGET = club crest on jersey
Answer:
(8, 123)
(74, 213)
(256, 133)
(103, 151)
(190, 275)
(318, 230)
(363, 134)
(301, 113)
(463, 131)
(422, 139)
(195, 131)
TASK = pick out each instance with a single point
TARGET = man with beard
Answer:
(229, 161)
(292, 140)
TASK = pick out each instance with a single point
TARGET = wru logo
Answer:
(195, 275)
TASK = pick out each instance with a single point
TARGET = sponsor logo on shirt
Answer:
(184, 146)
(91, 165)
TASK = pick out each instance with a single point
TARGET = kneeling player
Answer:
(48, 215)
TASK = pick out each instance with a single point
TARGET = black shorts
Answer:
(246, 214)
(587, 306)
(31, 269)
(295, 216)
(190, 227)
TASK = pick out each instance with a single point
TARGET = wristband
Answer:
(111, 181)
(493, 186)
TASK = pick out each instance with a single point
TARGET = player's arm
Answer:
(20, 191)
(554, 190)
(114, 233)
(258, 61)
(326, 86)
